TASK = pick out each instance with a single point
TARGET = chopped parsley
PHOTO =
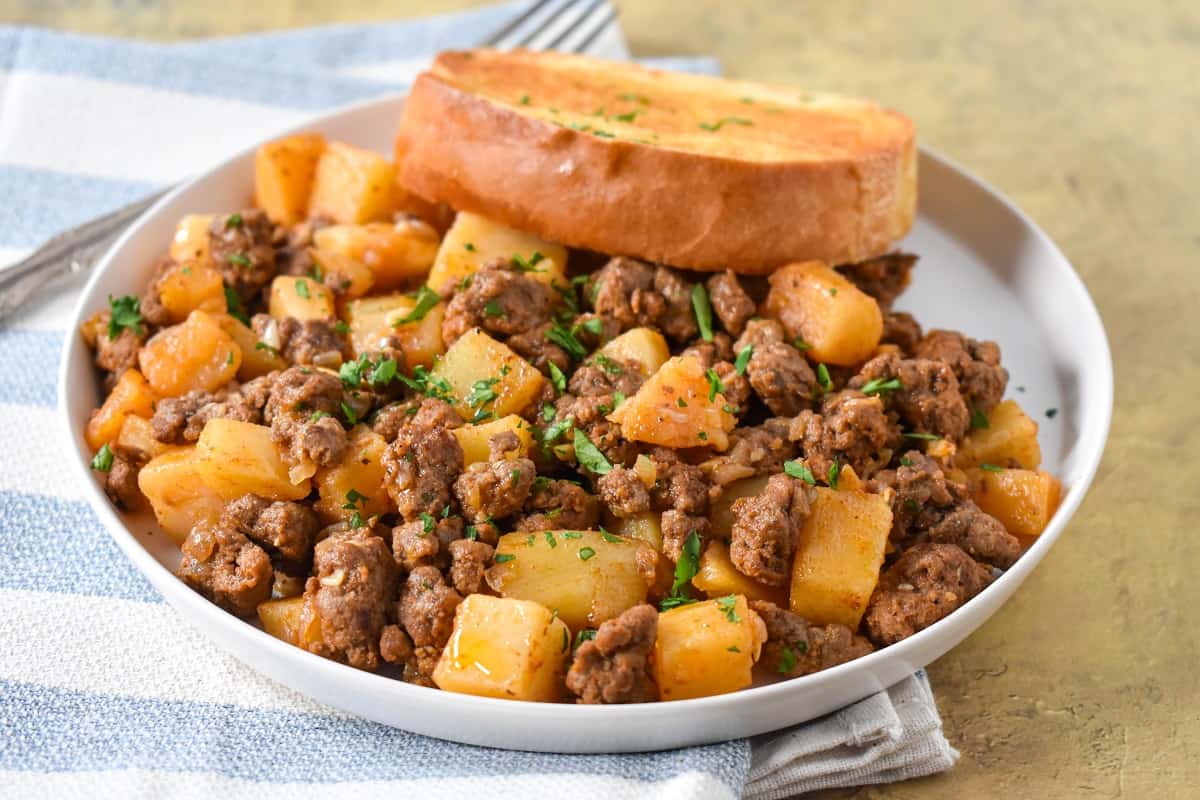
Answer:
(823, 378)
(565, 338)
(979, 419)
(524, 99)
(594, 326)
(585, 635)
(586, 553)
(703, 309)
(384, 373)
(905, 461)
(589, 456)
(990, 467)
(607, 364)
(925, 437)
(240, 259)
(787, 660)
(494, 309)
(482, 392)
(630, 97)
(514, 479)
(834, 471)
(702, 436)
(426, 299)
(714, 384)
(687, 566)
(713, 127)
(103, 460)
(341, 327)
(550, 540)
(469, 247)
(679, 401)
(471, 534)
(728, 606)
(316, 415)
(798, 469)
(628, 116)
(879, 386)
(302, 288)
(234, 221)
(743, 359)
(233, 305)
(353, 499)
(528, 266)
(316, 273)
(566, 645)
(425, 383)
(503, 558)
(350, 415)
(427, 523)
(557, 377)
(733, 648)
(266, 347)
(800, 344)
(667, 603)
(833, 291)
(1051, 413)
(609, 537)
(126, 314)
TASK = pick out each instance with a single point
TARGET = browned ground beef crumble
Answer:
(387, 591)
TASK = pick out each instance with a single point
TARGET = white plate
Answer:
(985, 268)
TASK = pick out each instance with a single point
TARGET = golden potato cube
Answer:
(706, 648)
(284, 171)
(256, 361)
(721, 512)
(191, 240)
(587, 576)
(300, 298)
(173, 483)
(645, 527)
(673, 409)
(352, 185)
(238, 458)
(474, 438)
(283, 619)
(500, 647)
(485, 376)
(474, 240)
(137, 439)
(372, 319)
(643, 346)
(195, 354)
(131, 395)
(840, 552)
(718, 577)
(191, 285)
(361, 470)
(840, 323)
(350, 277)
(1009, 438)
(397, 254)
(1023, 500)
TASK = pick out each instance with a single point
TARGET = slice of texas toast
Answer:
(686, 170)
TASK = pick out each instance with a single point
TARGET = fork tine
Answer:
(512, 25)
(548, 21)
(610, 16)
(575, 25)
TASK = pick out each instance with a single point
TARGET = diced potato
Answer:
(839, 322)
(673, 409)
(706, 648)
(474, 240)
(1023, 500)
(195, 354)
(256, 361)
(397, 254)
(93, 327)
(374, 318)
(644, 346)
(586, 576)
(718, 577)
(474, 438)
(350, 277)
(300, 298)
(191, 240)
(500, 647)
(191, 285)
(137, 439)
(1009, 438)
(838, 559)
(721, 513)
(285, 619)
(477, 362)
(284, 171)
(645, 527)
(131, 395)
(238, 458)
(174, 485)
(361, 470)
(352, 185)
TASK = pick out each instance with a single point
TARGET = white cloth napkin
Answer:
(104, 691)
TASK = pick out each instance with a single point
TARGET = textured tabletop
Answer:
(1087, 683)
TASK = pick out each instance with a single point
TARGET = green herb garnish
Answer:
(589, 456)
(503, 558)
(426, 299)
(979, 419)
(103, 460)
(728, 606)
(713, 127)
(557, 378)
(586, 553)
(703, 309)
(743, 359)
(714, 384)
(800, 470)
(879, 386)
(125, 314)
(823, 378)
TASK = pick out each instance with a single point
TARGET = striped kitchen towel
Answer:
(104, 691)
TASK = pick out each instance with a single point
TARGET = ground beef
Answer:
(753, 450)
(794, 647)
(150, 304)
(678, 320)
(729, 301)
(500, 300)
(396, 648)
(928, 399)
(590, 416)
(924, 585)
(614, 667)
(294, 257)
(851, 428)
(604, 376)
(311, 341)
(286, 528)
(766, 528)
(781, 377)
(120, 483)
(709, 353)
(427, 412)
(116, 355)
(980, 535)
(300, 390)
(421, 465)
(677, 485)
(559, 505)
(636, 294)
(976, 365)
(534, 347)
(884, 277)
(424, 541)
(227, 568)
(759, 333)
(302, 411)
(735, 387)
(426, 612)
(676, 527)
(902, 330)
(353, 580)
(623, 493)
(182, 419)
(496, 488)
(468, 561)
(303, 439)
(243, 247)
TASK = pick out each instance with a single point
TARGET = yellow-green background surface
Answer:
(1087, 114)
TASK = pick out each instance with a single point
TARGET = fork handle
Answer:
(70, 253)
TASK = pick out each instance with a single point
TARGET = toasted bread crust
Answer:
(664, 201)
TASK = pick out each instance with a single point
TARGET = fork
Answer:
(570, 26)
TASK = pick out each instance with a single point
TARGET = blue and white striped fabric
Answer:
(104, 692)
